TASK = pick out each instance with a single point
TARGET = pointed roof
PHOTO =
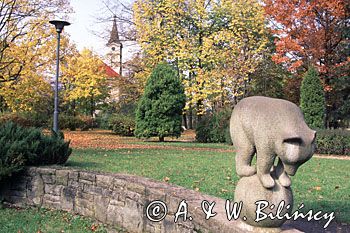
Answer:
(110, 72)
(114, 38)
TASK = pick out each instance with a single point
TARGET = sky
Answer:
(84, 22)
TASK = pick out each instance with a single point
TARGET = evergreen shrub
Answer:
(312, 99)
(159, 111)
(20, 146)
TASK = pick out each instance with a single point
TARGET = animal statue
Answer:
(270, 128)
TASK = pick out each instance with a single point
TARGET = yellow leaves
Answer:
(215, 45)
(31, 92)
(84, 77)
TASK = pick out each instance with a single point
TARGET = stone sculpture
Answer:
(270, 128)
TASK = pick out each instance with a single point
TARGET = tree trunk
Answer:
(161, 138)
(190, 117)
(199, 107)
(92, 109)
(184, 120)
(73, 108)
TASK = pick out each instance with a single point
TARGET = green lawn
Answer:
(47, 221)
(321, 184)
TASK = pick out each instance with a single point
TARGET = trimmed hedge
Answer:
(20, 146)
(73, 122)
(28, 119)
(214, 127)
(333, 142)
(122, 125)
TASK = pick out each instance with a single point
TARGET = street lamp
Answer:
(59, 27)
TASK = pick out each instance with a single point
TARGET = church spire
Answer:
(114, 38)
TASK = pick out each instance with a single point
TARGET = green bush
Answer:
(102, 120)
(122, 125)
(333, 142)
(86, 122)
(20, 146)
(73, 122)
(214, 127)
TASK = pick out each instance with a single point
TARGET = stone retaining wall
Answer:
(115, 199)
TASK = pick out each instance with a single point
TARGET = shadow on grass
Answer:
(82, 164)
(341, 208)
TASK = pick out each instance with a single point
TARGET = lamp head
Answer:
(59, 24)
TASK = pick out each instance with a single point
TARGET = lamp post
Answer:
(59, 27)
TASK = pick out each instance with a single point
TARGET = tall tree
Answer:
(313, 33)
(312, 99)
(160, 108)
(84, 81)
(27, 45)
(214, 45)
(24, 27)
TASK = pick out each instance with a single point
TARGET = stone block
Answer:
(31, 171)
(53, 189)
(48, 179)
(84, 207)
(132, 195)
(92, 189)
(87, 176)
(101, 205)
(104, 181)
(116, 202)
(119, 183)
(67, 198)
(73, 175)
(46, 170)
(62, 177)
(135, 187)
(133, 216)
(51, 198)
(35, 190)
(114, 215)
(76, 184)
(155, 194)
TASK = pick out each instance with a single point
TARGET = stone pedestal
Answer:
(250, 191)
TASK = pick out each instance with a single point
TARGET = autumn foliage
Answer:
(214, 45)
(310, 32)
(315, 33)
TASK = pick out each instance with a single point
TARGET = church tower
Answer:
(115, 47)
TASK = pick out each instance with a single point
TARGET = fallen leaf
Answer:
(94, 227)
(166, 179)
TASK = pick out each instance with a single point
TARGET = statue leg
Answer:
(264, 163)
(282, 176)
(244, 156)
